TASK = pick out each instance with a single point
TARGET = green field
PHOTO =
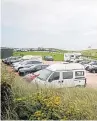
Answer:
(57, 56)
(92, 53)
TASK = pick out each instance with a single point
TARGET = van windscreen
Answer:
(44, 74)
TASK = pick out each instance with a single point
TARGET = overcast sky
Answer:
(65, 24)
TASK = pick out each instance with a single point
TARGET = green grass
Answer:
(92, 53)
(57, 56)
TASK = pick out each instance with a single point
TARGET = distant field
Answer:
(57, 56)
(92, 53)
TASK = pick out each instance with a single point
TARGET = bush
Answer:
(31, 103)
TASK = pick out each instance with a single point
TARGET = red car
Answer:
(30, 77)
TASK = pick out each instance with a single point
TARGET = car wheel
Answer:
(19, 68)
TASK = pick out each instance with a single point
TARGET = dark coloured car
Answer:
(93, 69)
(93, 63)
(32, 69)
(48, 58)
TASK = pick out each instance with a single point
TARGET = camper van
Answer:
(62, 75)
(72, 57)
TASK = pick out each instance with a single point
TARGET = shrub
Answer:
(31, 103)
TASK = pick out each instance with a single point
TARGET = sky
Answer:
(63, 24)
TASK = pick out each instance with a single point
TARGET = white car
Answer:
(27, 64)
(62, 75)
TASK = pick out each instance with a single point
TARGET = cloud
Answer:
(51, 20)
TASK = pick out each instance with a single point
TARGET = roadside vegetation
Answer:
(24, 101)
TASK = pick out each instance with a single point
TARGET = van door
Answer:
(68, 80)
(53, 80)
(80, 79)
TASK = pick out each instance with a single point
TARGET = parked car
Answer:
(32, 69)
(31, 76)
(62, 75)
(84, 62)
(8, 60)
(20, 60)
(93, 69)
(25, 63)
(90, 65)
(48, 58)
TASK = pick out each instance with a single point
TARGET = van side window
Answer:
(54, 76)
(68, 75)
(79, 73)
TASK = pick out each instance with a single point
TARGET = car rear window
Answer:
(68, 75)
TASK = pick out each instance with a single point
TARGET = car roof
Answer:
(42, 64)
(70, 66)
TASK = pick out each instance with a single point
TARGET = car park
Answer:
(25, 63)
(62, 75)
(31, 69)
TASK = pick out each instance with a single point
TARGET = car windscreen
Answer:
(24, 62)
(44, 74)
(32, 67)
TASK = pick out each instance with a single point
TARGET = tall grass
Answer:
(37, 103)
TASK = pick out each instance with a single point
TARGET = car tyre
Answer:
(19, 68)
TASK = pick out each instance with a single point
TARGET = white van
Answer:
(62, 75)
(72, 57)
